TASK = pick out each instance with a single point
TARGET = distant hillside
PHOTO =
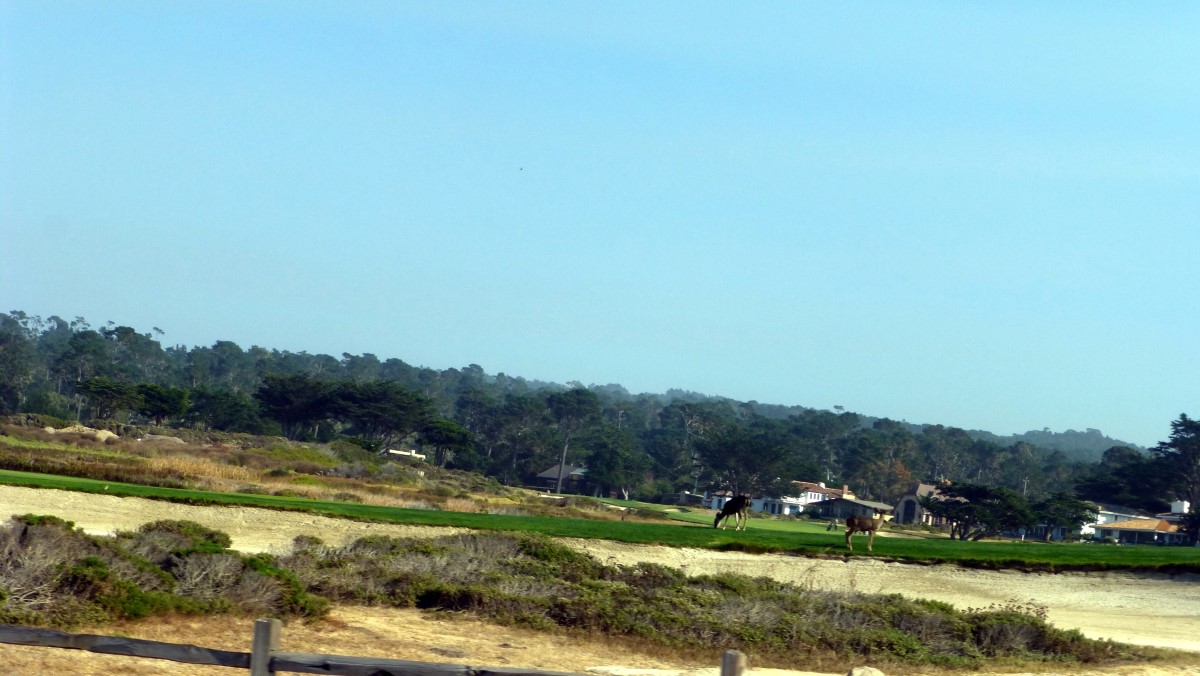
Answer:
(1087, 446)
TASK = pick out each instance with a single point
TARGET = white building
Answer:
(407, 454)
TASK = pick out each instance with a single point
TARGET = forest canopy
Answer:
(512, 429)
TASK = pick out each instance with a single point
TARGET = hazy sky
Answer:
(984, 215)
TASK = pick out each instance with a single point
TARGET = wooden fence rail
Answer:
(265, 658)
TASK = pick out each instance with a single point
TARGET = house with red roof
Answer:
(1142, 532)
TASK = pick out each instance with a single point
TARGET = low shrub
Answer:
(51, 574)
(541, 583)
(54, 575)
(289, 455)
(200, 538)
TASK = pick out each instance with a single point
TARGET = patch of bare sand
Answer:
(1152, 610)
(378, 632)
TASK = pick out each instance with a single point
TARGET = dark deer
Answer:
(863, 524)
(735, 507)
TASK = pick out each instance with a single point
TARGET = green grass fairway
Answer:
(761, 536)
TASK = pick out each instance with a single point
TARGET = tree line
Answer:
(512, 429)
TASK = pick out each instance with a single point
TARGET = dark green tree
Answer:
(17, 361)
(945, 451)
(752, 458)
(225, 366)
(1179, 457)
(381, 412)
(477, 410)
(1125, 476)
(109, 397)
(613, 460)
(86, 355)
(160, 402)
(447, 438)
(362, 369)
(296, 402)
(976, 511)
(1062, 510)
(224, 410)
(136, 357)
(525, 441)
(875, 460)
(682, 424)
(571, 409)
(825, 436)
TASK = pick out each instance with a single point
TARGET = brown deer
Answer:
(863, 524)
(735, 507)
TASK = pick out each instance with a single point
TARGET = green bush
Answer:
(57, 576)
(355, 449)
(179, 566)
(201, 538)
(538, 582)
(44, 520)
(297, 600)
(291, 454)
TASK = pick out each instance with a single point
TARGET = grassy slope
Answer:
(762, 535)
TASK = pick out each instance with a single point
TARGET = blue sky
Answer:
(983, 215)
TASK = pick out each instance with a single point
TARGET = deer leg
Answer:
(849, 545)
(870, 540)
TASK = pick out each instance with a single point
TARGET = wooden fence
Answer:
(265, 657)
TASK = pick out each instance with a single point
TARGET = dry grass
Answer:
(461, 505)
(191, 467)
(276, 468)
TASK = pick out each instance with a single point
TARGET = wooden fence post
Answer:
(266, 641)
(733, 663)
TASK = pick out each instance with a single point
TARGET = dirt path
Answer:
(1148, 610)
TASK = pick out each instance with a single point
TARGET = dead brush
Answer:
(27, 433)
(130, 446)
(197, 468)
(33, 574)
(207, 576)
(29, 574)
(508, 511)
(219, 576)
(418, 504)
(389, 499)
(355, 494)
(737, 610)
(461, 505)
